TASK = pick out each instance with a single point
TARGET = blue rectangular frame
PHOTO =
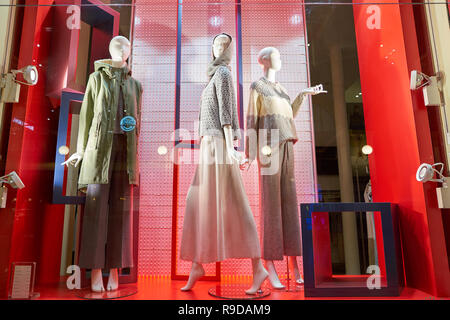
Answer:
(67, 96)
(391, 241)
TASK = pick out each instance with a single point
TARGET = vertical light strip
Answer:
(239, 71)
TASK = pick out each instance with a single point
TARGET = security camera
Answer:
(13, 180)
(426, 171)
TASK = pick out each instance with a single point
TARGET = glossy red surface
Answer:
(162, 288)
(397, 129)
(34, 227)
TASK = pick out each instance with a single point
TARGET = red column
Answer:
(397, 129)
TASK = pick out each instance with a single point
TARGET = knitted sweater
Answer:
(270, 113)
(218, 106)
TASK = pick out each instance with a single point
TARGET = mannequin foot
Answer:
(196, 273)
(260, 274)
(97, 281)
(275, 281)
(273, 276)
(295, 270)
(113, 280)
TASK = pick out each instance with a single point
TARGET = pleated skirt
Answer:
(218, 222)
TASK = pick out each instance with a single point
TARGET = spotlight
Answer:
(426, 172)
(367, 149)
(11, 86)
(431, 86)
(63, 150)
(162, 150)
(13, 180)
(216, 21)
(266, 150)
(30, 74)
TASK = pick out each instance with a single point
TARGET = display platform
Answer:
(87, 294)
(237, 292)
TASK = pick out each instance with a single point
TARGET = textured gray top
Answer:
(218, 106)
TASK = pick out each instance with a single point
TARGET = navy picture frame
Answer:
(392, 250)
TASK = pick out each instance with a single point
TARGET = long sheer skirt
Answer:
(218, 222)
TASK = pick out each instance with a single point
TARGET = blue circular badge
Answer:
(128, 123)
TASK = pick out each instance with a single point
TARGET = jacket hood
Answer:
(223, 60)
(105, 65)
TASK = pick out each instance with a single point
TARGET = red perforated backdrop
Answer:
(154, 63)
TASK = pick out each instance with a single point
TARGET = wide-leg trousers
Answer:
(280, 225)
(106, 235)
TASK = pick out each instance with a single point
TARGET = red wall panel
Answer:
(396, 128)
(34, 226)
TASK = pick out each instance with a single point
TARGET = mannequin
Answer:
(108, 194)
(289, 231)
(218, 222)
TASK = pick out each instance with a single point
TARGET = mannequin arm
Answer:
(228, 132)
(299, 99)
(251, 134)
(297, 103)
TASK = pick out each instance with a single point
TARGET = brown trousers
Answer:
(278, 200)
(106, 235)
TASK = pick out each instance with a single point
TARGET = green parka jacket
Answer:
(95, 132)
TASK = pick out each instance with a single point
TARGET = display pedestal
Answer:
(237, 292)
(291, 285)
(121, 292)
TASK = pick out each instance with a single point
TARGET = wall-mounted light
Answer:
(11, 86)
(63, 150)
(216, 21)
(426, 172)
(367, 149)
(295, 19)
(266, 150)
(13, 180)
(431, 86)
(162, 150)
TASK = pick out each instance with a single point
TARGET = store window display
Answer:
(107, 149)
(270, 137)
(218, 222)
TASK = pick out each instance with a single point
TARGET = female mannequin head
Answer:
(220, 44)
(269, 58)
(119, 48)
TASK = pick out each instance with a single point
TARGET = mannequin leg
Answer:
(273, 276)
(259, 275)
(97, 281)
(294, 268)
(196, 273)
(113, 280)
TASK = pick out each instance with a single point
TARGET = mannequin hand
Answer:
(246, 164)
(74, 160)
(236, 155)
(314, 90)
